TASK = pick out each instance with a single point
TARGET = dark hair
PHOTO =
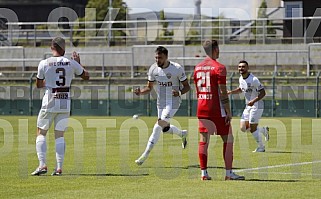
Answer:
(209, 46)
(162, 50)
(243, 62)
(58, 44)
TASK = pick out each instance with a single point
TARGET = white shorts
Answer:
(166, 114)
(45, 120)
(252, 114)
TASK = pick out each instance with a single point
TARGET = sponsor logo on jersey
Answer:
(165, 83)
(168, 75)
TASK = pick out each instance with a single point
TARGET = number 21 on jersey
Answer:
(203, 81)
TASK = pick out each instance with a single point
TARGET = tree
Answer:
(166, 35)
(259, 25)
(101, 7)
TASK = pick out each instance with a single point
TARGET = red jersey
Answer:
(208, 74)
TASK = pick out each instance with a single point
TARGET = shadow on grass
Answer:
(286, 152)
(106, 174)
(262, 180)
(211, 167)
(197, 166)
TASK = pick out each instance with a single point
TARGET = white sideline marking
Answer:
(287, 173)
(278, 166)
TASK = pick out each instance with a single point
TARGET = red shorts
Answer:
(214, 125)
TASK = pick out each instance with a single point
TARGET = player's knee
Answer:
(162, 123)
(166, 128)
(243, 129)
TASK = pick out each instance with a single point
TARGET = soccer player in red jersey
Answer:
(213, 109)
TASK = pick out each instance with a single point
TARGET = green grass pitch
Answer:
(100, 155)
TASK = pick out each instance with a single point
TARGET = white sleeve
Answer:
(41, 73)
(181, 76)
(77, 67)
(150, 74)
(257, 84)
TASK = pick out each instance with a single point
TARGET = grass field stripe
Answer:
(278, 166)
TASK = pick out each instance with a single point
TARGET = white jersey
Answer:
(167, 79)
(251, 87)
(58, 73)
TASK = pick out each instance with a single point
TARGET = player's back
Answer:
(208, 74)
(58, 72)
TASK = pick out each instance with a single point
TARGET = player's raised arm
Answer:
(40, 83)
(85, 75)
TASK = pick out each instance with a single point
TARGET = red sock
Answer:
(228, 155)
(202, 154)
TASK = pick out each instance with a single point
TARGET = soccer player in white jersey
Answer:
(55, 75)
(171, 82)
(254, 92)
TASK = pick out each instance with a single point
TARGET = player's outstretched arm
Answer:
(235, 91)
(147, 89)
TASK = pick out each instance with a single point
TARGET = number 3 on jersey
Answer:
(62, 77)
(204, 82)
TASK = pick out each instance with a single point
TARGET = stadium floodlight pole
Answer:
(110, 7)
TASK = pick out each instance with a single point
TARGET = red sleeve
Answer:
(221, 71)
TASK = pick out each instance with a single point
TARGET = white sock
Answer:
(60, 151)
(261, 129)
(174, 130)
(204, 172)
(258, 138)
(41, 148)
(228, 172)
(153, 139)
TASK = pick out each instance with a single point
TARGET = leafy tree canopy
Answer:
(102, 8)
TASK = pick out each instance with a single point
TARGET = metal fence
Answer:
(180, 31)
(132, 59)
(113, 97)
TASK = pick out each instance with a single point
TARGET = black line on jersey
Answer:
(247, 76)
(184, 80)
(83, 71)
